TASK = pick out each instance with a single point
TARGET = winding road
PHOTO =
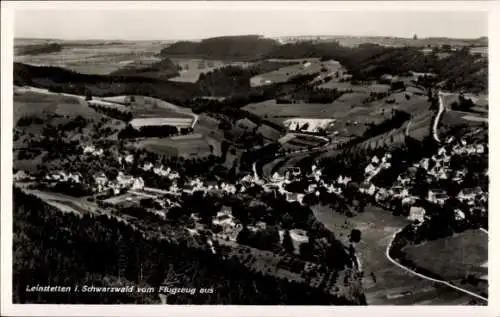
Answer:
(442, 109)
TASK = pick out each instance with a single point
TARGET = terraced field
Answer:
(391, 285)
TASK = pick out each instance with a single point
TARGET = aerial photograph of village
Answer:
(274, 164)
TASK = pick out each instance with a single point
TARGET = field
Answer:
(33, 103)
(271, 109)
(392, 285)
(192, 68)
(177, 122)
(185, 146)
(284, 74)
(268, 132)
(452, 119)
(147, 107)
(97, 58)
(459, 255)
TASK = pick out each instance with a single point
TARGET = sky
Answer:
(196, 23)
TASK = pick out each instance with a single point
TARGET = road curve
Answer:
(426, 277)
(437, 118)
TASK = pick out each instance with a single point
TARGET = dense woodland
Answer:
(249, 47)
(99, 250)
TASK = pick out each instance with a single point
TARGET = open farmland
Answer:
(190, 69)
(147, 107)
(338, 108)
(393, 286)
(97, 58)
(186, 146)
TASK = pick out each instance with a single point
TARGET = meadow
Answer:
(173, 146)
(459, 255)
(32, 103)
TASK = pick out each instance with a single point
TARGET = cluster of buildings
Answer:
(122, 183)
(92, 150)
(437, 168)
(64, 177)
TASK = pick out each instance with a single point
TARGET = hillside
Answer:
(62, 80)
(458, 70)
(163, 69)
(248, 47)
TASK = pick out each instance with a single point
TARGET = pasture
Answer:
(392, 285)
(185, 147)
(33, 103)
(459, 255)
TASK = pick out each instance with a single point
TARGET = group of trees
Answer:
(246, 47)
(310, 94)
(112, 112)
(38, 49)
(163, 69)
(148, 131)
(463, 104)
(28, 120)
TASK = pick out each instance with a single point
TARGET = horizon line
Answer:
(236, 35)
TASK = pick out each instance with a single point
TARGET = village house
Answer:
(225, 220)
(437, 197)
(368, 189)
(291, 197)
(20, 176)
(417, 214)
(468, 194)
(459, 215)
